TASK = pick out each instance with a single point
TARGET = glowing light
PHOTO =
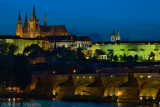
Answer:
(14, 88)
(149, 76)
(14, 99)
(9, 99)
(54, 92)
(18, 99)
(112, 76)
(141, 98)
(87, 57)
(90, 77)
(84, 77)
(74, 71)
(141, 76)
(54, 72)
(82, 93)
(9, 88)
(77, 77)
(119, 93)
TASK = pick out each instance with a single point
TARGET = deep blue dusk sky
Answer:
(136, 19)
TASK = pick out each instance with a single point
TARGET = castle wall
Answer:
(23, 43)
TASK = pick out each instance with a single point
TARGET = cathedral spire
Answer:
(26, 21)
(19, 18)
(33, 14)
(113, 32)
(26, 18)
(45, 20)
(19, 28)
(25, 26)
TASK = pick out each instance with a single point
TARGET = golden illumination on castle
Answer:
(32, 29)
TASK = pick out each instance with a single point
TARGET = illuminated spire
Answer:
(33, 14)
(25, 24)
(26, 21)
(26, 18)
(19, 18)
(45, 20)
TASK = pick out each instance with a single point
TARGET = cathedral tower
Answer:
(118, 37)
(19, 28)
(33, 26)
(113, 37)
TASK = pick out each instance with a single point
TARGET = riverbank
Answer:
(37, 96)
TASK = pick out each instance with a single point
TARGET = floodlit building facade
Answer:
(126, 48)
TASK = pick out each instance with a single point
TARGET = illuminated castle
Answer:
(32, 29)
(57, 36)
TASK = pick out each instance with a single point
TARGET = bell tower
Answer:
(19, 28)
(113, 37)
(118, 37)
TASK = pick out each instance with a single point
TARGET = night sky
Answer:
(135, 19)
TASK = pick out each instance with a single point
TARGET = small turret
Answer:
(118, 37)
(113, 37)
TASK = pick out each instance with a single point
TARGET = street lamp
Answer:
(74, 71)
(54, 72)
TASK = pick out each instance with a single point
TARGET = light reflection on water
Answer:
(14, 102)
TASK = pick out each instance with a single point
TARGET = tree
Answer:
(99, 52)
(80, 54)
(151, 57)
(135, 58)
(12, 49)
(64, 53)
(22, 72)
(3, 47)
(124, 57)
(115, 58)
(7, 48)
(34, 50)
(130, 58)
(110, 55)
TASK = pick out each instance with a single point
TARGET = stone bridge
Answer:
(87, 84)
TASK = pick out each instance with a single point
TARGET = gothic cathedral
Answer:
(32, 29)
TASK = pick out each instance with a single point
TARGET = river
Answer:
(46, 103)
